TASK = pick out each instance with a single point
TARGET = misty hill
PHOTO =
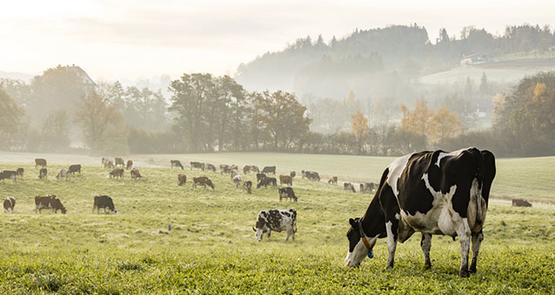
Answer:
(386, 61)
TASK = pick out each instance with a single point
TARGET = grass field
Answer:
(212, 249)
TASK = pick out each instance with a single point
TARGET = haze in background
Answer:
(120, 40)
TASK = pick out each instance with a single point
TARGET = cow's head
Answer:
(261, 226)
(359, 244)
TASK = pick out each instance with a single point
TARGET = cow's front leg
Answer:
(464, 234)
(426, 245)
(476, 242)
(391, 228)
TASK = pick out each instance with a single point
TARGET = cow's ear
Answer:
(352, 222)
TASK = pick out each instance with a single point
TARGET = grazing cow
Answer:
(74, 169)
(61, 174)
(333, 180)
(135, 174)
(181, 179)
(247, 185)
(116, 173)
(104, 202)
(43, 173)
(176, 163)
(292, 174)
(269, 169)
(49, 202)
(266, 181)
(521, 203)
(9, 204)
(368, 187)
(237, 180)
(210, 167)
(286, 179)
(287, 193)
(8, 174)
(432, 193)
(250, 168)
(228, 169)
(203, 181)
(276, 220)
(107, 164)
(20, 172)
(347, 186)
(40, 163)
(129, 164)
(119, 162)
(260, 176)
(310, 175)
(197, 165)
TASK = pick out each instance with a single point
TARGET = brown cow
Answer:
(40, 163)
(20, 172)
(247, 185)
(333, 180)
(181, 179)
(203, 181)
(286, 179)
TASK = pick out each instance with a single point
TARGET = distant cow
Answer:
(8, 174)
(107, 164)
(237, 180)
(266, 181)
(276, 220)
(521, 203)
(181, 179)
(104, 202)
(135, 174)
(176, 163)
(287, 193)
(203, 181)
(116, 173)
(74, 169)
(310, 175)
(61, 174)
(247, 185)
(250, 168)
(9, 204)
(197, 165)
(119, 162)
(292, 174)
(228, 169)
(260, 176)
(269, 169)
(368, 187)
(129, 164)
(49, 202)
(20, 172)
(43, 173)
(40, 163)
(349, 187)
(333, 180)
(285, 179)
(210, 167)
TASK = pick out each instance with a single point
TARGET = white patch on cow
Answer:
(443, 155)
(391, 243)
(395, 169)
(359, 252)
(397, 216)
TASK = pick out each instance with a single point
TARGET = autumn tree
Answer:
(359, 127)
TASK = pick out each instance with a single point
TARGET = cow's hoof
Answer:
(464, 273)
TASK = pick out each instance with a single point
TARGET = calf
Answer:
(176, 163)
(368, 187)
(181, 179)
(210, 167)
(135, 174)
(116, 173)
(119, 162)
(333, 180)
(247, 185)
(20, 172)
(61, 174)
(74, 169)
(432, 192)
(49, 202)
(266, 181)
(276, 220)
(347, 186)
(203, 181)
(237, 180)
(269, 169)
(521, 203)
(104, 202)
(197, 165)
(43, 173)
(40, 163)
(9, 204)
(8, 174)
(129, 164)
(287, 193)
(286, 179)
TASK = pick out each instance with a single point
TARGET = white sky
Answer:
(131, 39)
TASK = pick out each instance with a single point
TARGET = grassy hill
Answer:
(211, 248)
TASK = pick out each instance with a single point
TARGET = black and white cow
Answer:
(429, 192)
(276, 220)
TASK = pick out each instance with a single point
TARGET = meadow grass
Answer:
(211, 247)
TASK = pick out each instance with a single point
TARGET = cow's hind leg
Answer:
(476, 241)
(426, 245)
